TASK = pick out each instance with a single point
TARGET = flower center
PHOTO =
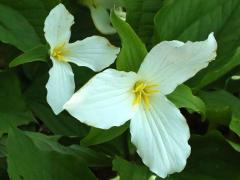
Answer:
(59, 52)
(143, 91)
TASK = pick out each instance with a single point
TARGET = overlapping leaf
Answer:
(27, 161)
(211, 158)
(133, 50)
(194, 20)
(140, 14)
(223, 108)
(98, 136)
(16, 30)
(13, 109)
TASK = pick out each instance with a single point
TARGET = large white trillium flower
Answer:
(100, 13)
(158, 129)
(94, 52)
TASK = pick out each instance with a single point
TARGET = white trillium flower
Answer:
(158, 129)
(94, 52)
(100, 13)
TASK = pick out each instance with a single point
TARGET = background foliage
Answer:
(36, 144)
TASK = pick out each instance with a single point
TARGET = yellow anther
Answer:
(59, 52)
(142, 91)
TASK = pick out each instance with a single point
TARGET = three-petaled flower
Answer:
(94, 52)
(158, 129)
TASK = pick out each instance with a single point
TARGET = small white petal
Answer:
(105, 101)
(161, 136)
(101, 19)
(57, 26)
(60, 86)
(170, 63)
(94, 52)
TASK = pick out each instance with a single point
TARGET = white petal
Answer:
(161, 136)
(105, 101)
(57, 26)
(101, 19)
(60, 86)
(170, 63)
(94, 52)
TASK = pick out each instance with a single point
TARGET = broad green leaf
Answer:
(41, 8)
(133, 50)
(222, 108)
(130, 170)
(16, 30)
(140, 14)
(28, 161)
(194, 20)
(13, 110)
(90, 157)
(116, 147)
(211, 158)
(98, 136)
(62, 124)
(36, 54)
(182, 97)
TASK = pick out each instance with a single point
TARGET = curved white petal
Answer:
(57, 26)
(60, 86)
(101, 19)
(105, 101)
(94, 52)
(161, 136)
(170, 63)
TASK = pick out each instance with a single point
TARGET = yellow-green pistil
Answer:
(143, 90)
(59, 52)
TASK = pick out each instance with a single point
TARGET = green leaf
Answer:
(194, 20)
(140, 15)
(133, 50)
(16, 30)
(98, 136)
(182, 97)
(28, 161)
(89, 156)
(211, 158)
(26, 8)
(13, 110)
(130, 170)
(222, 108)
(36, 54)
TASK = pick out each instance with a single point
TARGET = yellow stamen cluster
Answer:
(143, 91)
(58, 53)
